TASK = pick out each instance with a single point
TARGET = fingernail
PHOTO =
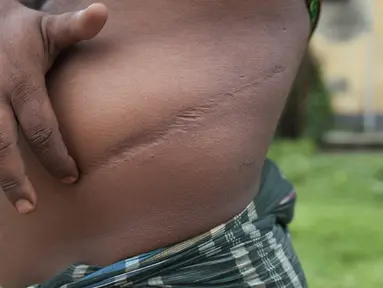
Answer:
(69, 180)
(24, 206)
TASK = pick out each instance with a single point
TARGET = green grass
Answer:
(338, 230)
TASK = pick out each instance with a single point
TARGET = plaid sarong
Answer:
(251, 250)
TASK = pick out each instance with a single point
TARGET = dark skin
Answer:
(23, 97)
(168, 113)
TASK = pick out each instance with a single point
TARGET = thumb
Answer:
(61, 31)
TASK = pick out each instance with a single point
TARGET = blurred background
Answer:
(330, 144)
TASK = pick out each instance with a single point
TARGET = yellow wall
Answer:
(348, 60)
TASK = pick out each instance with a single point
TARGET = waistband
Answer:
(251, 250)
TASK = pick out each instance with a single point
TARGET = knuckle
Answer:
(15, 75)
(9, 184)
(16, 82)
(5, 144)
(22, 93)
(42, 138)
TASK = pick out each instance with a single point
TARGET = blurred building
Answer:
(348, 45)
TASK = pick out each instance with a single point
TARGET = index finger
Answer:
(40, 127)
(13, 181)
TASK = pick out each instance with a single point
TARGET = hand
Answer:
(29, 42)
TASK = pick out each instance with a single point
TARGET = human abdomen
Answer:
(168, 113)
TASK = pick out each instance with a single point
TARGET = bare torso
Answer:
(169, 113)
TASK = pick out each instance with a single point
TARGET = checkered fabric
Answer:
(251, 250)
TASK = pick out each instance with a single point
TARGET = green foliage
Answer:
(337, 231)
(319, 116)
(308, 110)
